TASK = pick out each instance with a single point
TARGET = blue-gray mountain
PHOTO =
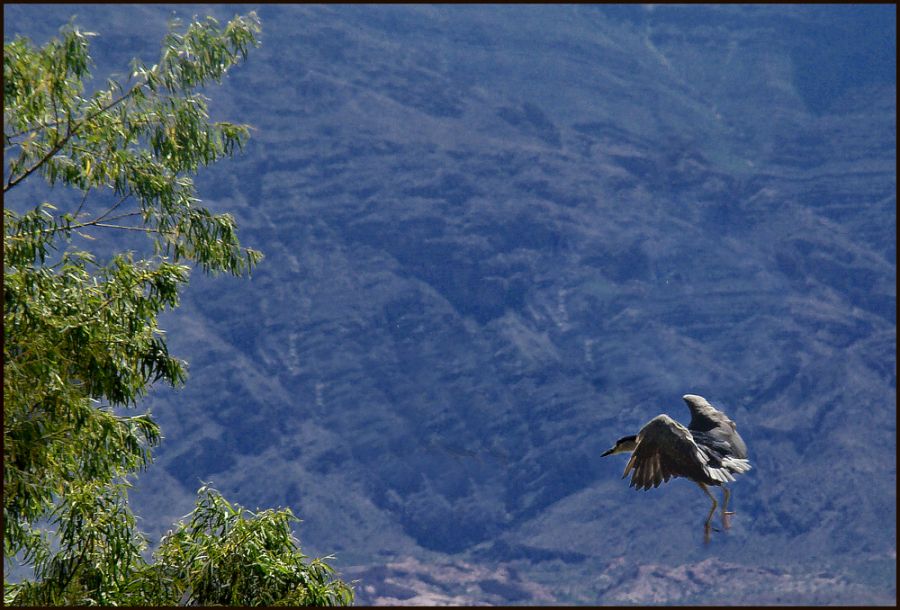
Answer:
(498, 236)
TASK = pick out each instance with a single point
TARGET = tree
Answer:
(81, 339)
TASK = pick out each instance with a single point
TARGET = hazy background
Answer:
(498, 238)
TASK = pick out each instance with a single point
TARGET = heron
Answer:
(709, 452)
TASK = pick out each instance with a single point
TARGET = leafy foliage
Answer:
(100, 559)
(225, 555)
(81, 337)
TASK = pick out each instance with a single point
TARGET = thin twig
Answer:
(81, 225)
(81, 205)
(141, 229)
(126, 215)
(114, 206)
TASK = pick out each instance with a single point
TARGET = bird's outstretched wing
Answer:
(666, 449)
(703, 415)
(716, 429)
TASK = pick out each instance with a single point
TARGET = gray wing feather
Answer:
(703, 415)
(717, 429)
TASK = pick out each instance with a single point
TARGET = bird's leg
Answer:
(726, 493)
(712, 511)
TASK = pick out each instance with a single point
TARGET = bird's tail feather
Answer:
(738, 465)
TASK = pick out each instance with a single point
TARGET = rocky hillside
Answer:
(499, 238)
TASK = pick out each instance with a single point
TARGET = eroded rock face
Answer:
(497, 239)
(409, 581)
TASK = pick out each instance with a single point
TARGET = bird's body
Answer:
(709, 451)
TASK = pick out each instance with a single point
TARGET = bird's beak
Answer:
(608, 452)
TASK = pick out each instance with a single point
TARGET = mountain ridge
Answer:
(496, 241)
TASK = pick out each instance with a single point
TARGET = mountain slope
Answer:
(499, 238)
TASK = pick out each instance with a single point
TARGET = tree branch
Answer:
(70, 132)
(11, 183)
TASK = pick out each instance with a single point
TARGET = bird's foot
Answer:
(726, 522)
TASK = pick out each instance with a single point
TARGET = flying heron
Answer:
(708, 452)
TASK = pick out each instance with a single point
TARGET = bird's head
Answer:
(623, 445)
